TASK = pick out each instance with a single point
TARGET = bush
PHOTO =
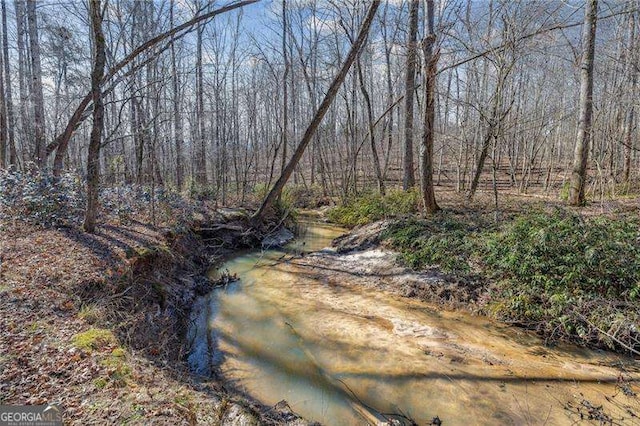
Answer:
(125, 202)
(561, 274)
(40, 198)
(371, 207)
(564, 252)
(441, 240)
(567, 276)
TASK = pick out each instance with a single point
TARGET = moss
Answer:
(118, 353)
(94, 339)
(100, 382)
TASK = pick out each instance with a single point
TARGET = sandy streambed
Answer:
(323, 333)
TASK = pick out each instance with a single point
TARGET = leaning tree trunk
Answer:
(426, 148)
(409, 179)
(319, 115)
(583, 137)
(93, 156)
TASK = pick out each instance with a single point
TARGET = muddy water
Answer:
(341, 354)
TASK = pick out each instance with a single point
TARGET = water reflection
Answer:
(345, 355)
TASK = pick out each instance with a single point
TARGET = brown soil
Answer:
(96, 323)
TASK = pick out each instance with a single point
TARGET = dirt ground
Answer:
(94, 323)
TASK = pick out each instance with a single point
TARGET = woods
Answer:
(201, 98)
(207, 207)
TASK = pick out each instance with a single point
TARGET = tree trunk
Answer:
(486, 144)
(319, 115)
(3, 119)
(632, 76)
(177, 118)
(371, 133)
(409, 179)
(285, 98)
(22, 70)
(426, 148)
(93, 156)
(13, 160)
(583, 137)
(201, 149)
(36, 85)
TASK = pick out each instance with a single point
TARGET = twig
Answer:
(615, 339)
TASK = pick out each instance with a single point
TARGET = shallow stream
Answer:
(343, 354)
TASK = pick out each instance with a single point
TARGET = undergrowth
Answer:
(39, 198)
(371, 207)
(564, 275)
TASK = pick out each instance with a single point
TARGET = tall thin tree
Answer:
(11, 140)
(426, 147)
(177, 117)
(93, 156)
(583, 137)
(37, 95)
(285, 98)
(409, 179)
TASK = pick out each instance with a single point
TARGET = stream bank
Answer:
(178, 273)
(327, 332)
(96, 322)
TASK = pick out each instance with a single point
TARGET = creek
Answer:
(341, 353)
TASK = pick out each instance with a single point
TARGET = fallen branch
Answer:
(614, 338)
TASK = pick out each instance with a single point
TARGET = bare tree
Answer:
(583, 137)
(426, 147)
(61, 142)
(632, 77)
(285, 99)
(8, 91)
(93, 156)
(177, 116)
(320, 113)
(409, 179)
(37, 95)
(201, 148)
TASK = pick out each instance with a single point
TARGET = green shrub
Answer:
(565, 276)
(565, 252)
(441, 240)
(370, 207)
(564, 191)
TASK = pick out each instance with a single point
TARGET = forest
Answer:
(341, 212)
